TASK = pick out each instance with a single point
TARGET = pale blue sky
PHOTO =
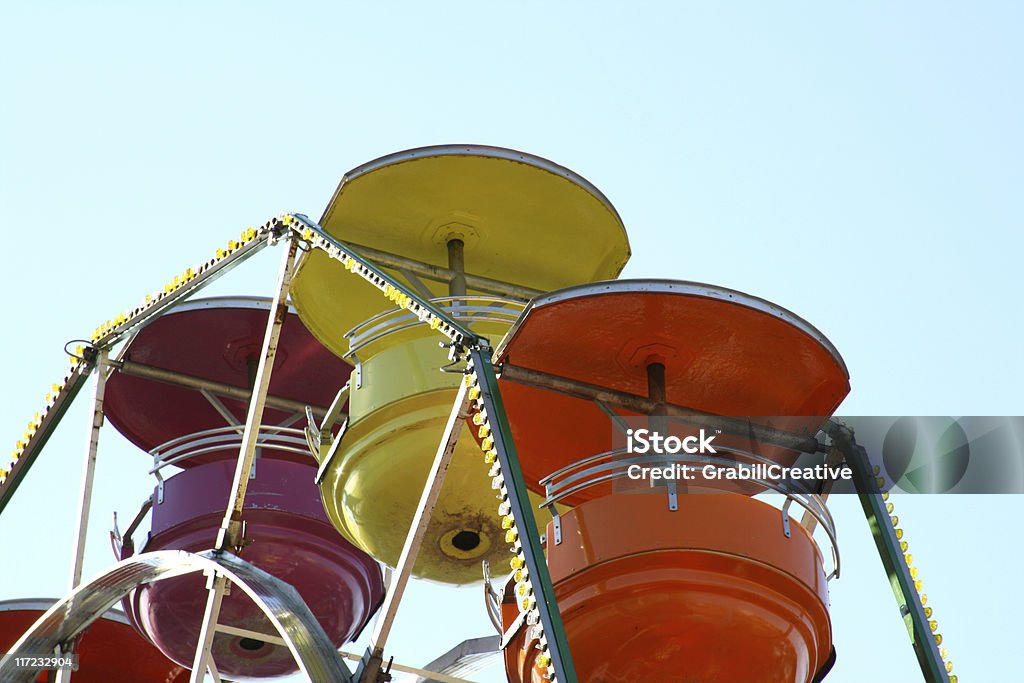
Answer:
(859, 166)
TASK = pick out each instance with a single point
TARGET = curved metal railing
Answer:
(611, 465)
(285, 439)
(463, 309)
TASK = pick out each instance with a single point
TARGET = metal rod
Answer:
(330, 418)
(228, 416)
(833, 459)
(457, 264)
(907, 598)
(382, 280)
(216, 585)
(229, 536)
(272, 639)
(88, 477)
(656, 390)
(439, 274)
(522, 513)
(139, 318)
(416, 283)
(420, 521)
(642, 404)
(207, 274)
(89, 470)
(48, 423)
(425, 673)
(227, 390)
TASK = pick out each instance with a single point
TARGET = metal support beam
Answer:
(439, 274)
(333, 414)
(89, 469)
(522, 513)
(443, 678)
(416, 283)
(129, 324)
(888, 545)
(359, 264)
(216, 584)
(88, 477)
(833, 459)
(230, 535)
(414, 539)
(642, 404)
(47, 424)
(457, 264)
(218, 388)
(268, 638)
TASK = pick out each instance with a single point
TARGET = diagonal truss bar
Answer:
(402, 295)
(186, 287)
(414, 539)
(216, 587)
(89, 469)
(907, 598)
(522, 512)
(230, 534)
(118, 329)
(28, 450)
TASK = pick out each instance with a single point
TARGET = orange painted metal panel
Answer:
(725, 353)
(712, 592)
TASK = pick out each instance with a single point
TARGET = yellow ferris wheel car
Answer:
(479, 230)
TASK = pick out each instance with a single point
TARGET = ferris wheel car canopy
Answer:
(725, 353)
(518, 215)
(217, 339)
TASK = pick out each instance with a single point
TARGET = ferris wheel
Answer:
(446, 385)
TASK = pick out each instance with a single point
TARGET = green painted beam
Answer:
(522, 513)
(907, 598)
